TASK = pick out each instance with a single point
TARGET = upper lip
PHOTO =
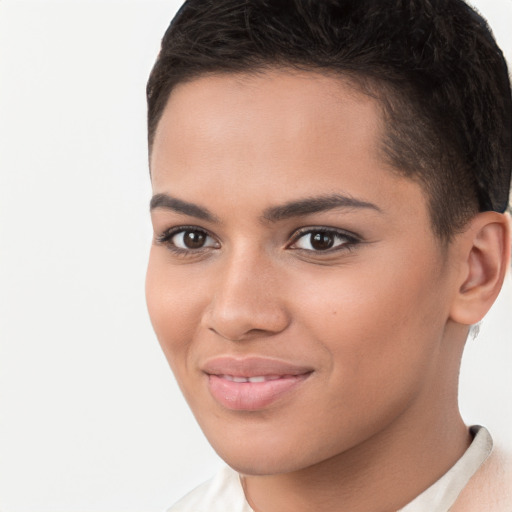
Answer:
(253, 366)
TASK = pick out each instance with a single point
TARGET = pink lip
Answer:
(278, 378)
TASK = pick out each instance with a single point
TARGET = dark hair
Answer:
(433, 65)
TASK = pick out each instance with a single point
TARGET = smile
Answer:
(254, 383)
(261, 378)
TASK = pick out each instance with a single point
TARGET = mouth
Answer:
(260, 378)
(252, 384)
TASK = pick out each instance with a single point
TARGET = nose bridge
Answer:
(247, 300)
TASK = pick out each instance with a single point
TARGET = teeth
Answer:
(259, 378)
(235, 379)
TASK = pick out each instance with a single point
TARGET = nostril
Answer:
(244, 336)
(246, 301)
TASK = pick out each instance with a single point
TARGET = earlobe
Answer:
(484, 259)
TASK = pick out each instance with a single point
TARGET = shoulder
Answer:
(490, 489)
(220, 494)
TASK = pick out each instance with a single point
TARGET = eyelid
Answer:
(165, 238)
(352, 238)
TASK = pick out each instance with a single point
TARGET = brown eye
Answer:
(189, 240)
(318, 240)
(321, 241)
(194, 239)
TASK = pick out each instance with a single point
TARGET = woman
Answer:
(330, 181)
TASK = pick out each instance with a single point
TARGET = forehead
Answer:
(285, 133)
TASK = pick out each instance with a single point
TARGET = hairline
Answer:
(369, 84)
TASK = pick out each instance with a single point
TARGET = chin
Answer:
(265, 456)
(262, 464)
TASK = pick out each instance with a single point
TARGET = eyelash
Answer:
(166, 239)
(350, 240)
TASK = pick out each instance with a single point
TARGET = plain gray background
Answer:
(90, 417)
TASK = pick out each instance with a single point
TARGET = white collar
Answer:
(441, 495)
(224, 493)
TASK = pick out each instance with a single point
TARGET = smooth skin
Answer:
(361, 291)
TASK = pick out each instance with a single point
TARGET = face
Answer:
(294, 282)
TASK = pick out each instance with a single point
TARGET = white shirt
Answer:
(224, 492)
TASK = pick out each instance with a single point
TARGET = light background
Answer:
(90, 417)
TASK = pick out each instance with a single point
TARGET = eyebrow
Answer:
(179, 206)
(315, 205)
(288, 210)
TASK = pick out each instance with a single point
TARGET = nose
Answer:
(247, 301)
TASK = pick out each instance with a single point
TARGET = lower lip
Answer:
(251, 396)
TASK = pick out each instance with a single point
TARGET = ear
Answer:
(484, 258)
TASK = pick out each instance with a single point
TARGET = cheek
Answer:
(379, 327)
(174, 305)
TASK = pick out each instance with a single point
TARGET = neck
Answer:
(382, 476)
(383, 473)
